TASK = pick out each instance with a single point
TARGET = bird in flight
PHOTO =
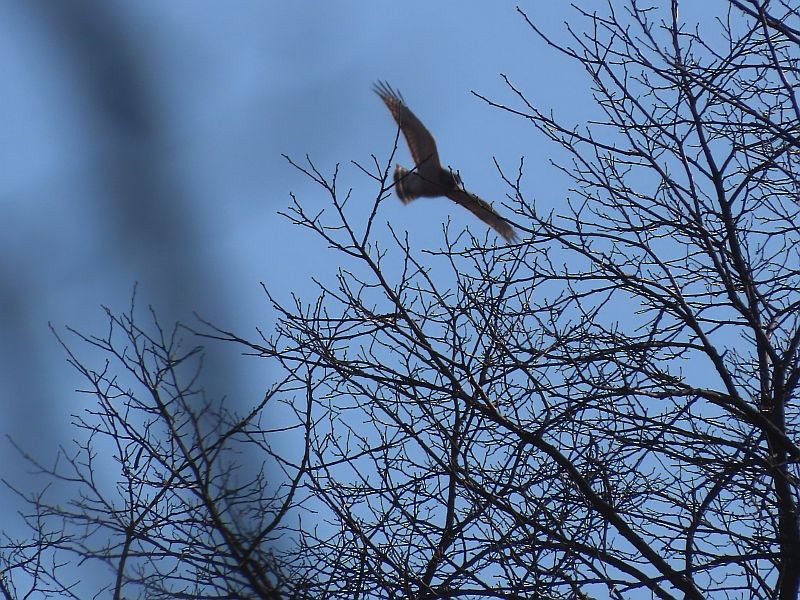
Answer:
(429, 178)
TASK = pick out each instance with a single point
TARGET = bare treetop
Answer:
(606, 409)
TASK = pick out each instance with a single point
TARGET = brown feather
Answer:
(428, 177)
(419, 139)
(410, 185)
(484, 211)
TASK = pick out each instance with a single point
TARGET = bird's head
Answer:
(451, 178)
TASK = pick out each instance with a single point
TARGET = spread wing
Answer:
(484, 211)
(420, 141)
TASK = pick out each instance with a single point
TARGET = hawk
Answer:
(429, 178)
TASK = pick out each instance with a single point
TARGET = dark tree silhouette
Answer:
(184, 516)
(606, 409)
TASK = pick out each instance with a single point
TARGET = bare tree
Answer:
(155, 488)
(605, 409)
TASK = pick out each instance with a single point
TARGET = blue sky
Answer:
(142, 142)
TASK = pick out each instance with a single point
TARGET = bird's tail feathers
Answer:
(404, 181)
